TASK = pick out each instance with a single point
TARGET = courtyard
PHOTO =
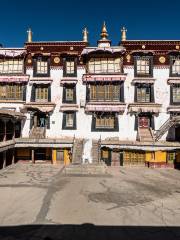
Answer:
(41, 202)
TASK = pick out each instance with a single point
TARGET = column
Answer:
(5, 129)
(13, 156)
(13, 129)
(32, 156)
(4, 159)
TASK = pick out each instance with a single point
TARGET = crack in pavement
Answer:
(55, 185)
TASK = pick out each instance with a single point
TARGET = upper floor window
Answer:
(105, 92)
(12, 92)
(69, 120)
(175, 66)
(41, 93)
(70, 67)
(105, 65)
(41, 66)
(144, 93)
(69, 94)
(176, 93)
(14, 66)
(143, 66)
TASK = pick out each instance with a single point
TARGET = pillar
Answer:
(13, 156)
(5, 129)
(13, 130)
(4, 159)
(32, 156)
(54, 156)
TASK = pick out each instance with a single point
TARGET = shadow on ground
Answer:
(88, 232)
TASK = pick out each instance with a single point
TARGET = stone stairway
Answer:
(37, 132)
(145, 135)
(95, 151)
(86, 169)
(77, 151)
(165, 127)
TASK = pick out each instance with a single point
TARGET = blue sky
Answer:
(64, 20)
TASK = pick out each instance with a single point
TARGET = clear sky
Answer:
(63, 20)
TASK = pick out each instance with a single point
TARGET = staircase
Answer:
(86, 169)
(77, 151)
(95, 151)
(37, 132)
(145, 135)
(164, 128)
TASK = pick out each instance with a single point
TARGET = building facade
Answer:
(69, 102)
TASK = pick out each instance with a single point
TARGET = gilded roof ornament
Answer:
(29, 33)
(85, 35)
(123, 34)
(104, 33)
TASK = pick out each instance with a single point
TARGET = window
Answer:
(134, 158)
(144, 94)
(41, 94)
(69, 120)
(175, 66)
(11, 91)
(41, 66)
(105, 92)
(176, 93)
(104, 122)
(105, 65)
(69, 94)
(143, 66)
(70, 67)
(14, 65)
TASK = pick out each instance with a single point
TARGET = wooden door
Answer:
(144, 122)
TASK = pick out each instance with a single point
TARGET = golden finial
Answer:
(85, 35)
(104, 33)
(29, 33)
(123, 34)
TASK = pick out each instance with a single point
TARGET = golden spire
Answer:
(29, 33)
(104, 33)
(85, 35)
(123, 34)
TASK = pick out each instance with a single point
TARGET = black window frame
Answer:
(150, 66)
(143, 85)
(64, 127)
(33, 92)
(116, 124)
(171, 74)
(35, 74)
(171, 95)
(70, 86)
(65, 74)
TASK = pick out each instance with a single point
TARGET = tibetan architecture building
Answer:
(67, 102)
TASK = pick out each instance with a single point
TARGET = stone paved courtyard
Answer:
(40, 202)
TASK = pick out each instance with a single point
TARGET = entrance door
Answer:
(144, 122)
(40, 119)
(40, 154)
(177, 133)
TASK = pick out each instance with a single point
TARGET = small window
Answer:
(41, 94)
(143, 66)
(69, 120)
(69, 94)
(42, 67)
(176, 93)
(70, 67)
(175, 66)
(144, 94)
